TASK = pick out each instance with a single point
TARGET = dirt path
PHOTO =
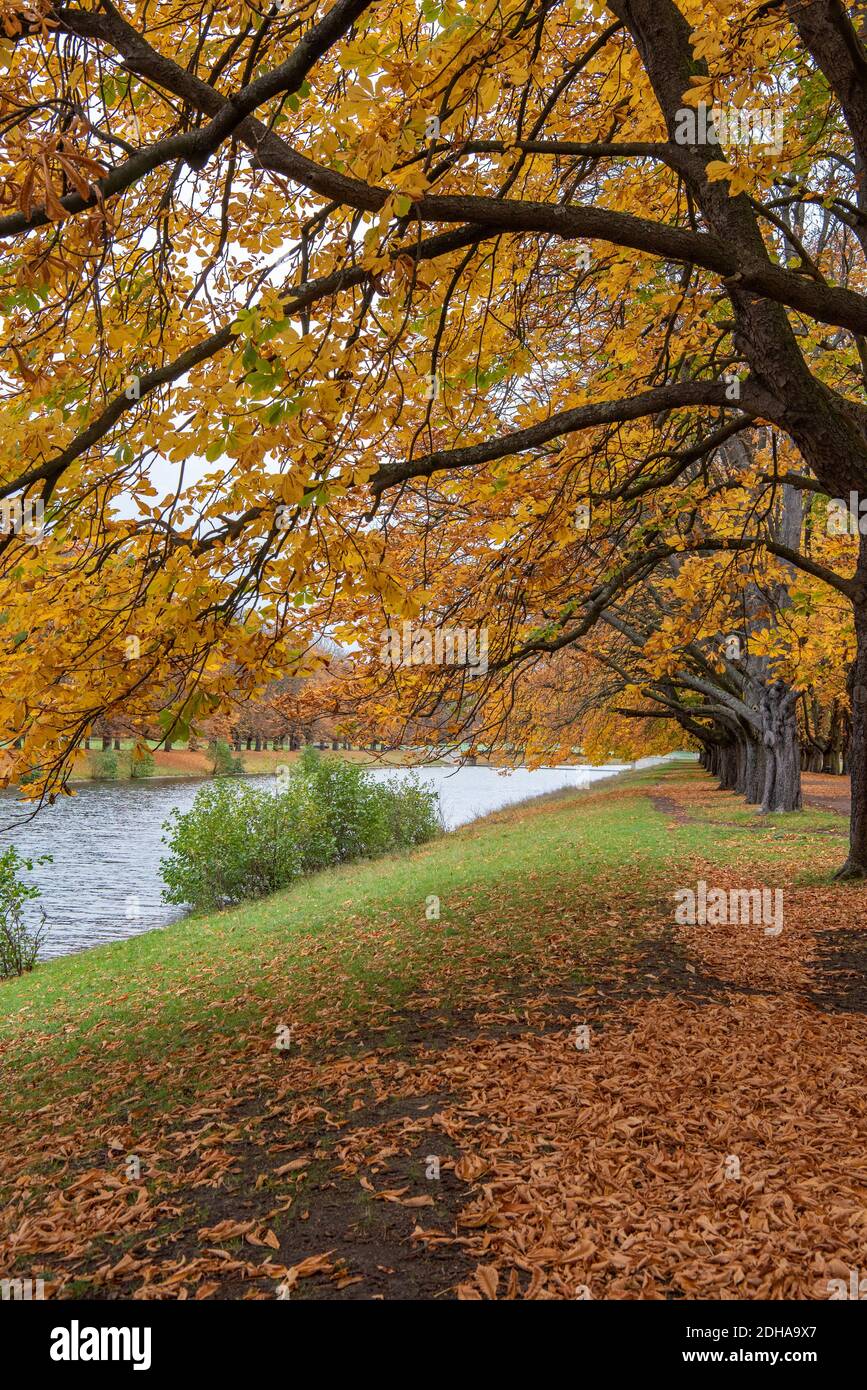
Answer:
(819, 789)
(826, 793)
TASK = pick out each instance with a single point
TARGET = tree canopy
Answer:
(539, 320)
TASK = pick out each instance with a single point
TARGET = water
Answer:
(106, 842)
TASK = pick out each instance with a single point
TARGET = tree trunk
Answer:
(728, 770)
(782, 781)
(837, 742)
(856, 863)
(755, 773)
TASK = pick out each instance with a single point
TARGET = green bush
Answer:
(309, 759)
(142, 763)
(239, 842)
(213, 847)
(105, 765)
(408, 804)
(225, 762)
(20, 941)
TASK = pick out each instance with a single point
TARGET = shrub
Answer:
(238, 842)
(412, 807)
(20, 941)
(225, 762)
(105, 765)
(216, 847)
(349, 803)
(142, 763)
(309, 759)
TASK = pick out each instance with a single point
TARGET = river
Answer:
(106, 842)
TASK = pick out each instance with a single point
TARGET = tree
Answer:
(404, 282)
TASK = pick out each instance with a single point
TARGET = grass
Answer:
(364, 927)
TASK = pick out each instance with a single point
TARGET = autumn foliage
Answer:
(460, 315)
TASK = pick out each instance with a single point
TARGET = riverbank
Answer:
(180, 763)
(104, 880)
(439, 1122)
